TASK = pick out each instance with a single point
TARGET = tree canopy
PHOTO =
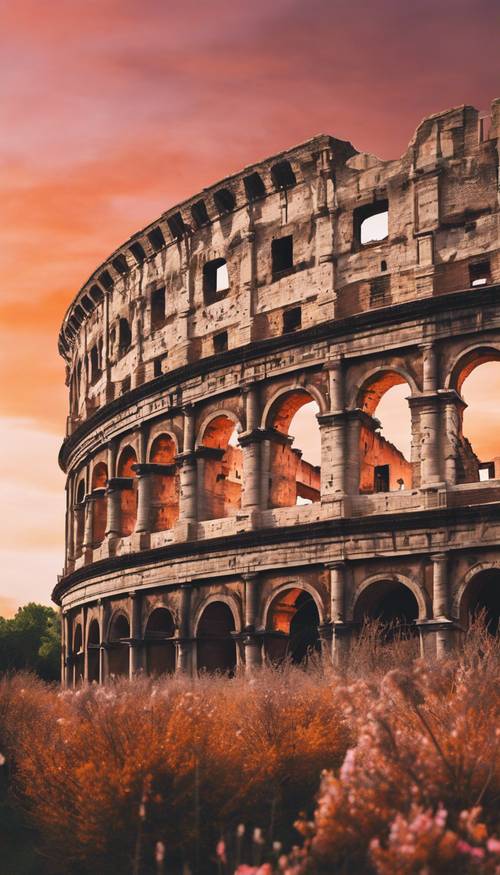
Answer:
(31, 641)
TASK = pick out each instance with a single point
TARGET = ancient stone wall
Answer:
(198, 533)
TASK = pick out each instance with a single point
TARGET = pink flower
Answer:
(493, 846)
(220, 850)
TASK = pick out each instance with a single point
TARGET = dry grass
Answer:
(107, 773)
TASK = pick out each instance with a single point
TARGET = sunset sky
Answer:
(113, 110)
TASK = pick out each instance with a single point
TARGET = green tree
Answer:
(31, 641)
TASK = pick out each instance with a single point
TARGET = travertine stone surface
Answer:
(198, 536)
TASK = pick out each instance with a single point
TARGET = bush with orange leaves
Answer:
(213, 772)
(107, 773)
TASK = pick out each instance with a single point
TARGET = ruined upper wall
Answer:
(290, 232)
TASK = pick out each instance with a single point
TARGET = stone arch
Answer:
(384, 467)
(164, 482)
(292, 478)
(467, 360)
(128, 491)
(292, 616)
(93, 650)
(367, 394)
(99, 510)
(308, 392)
(216, 619)
(159, 634)
(474, 432)
(479, 590)
(394, 598)
(220, 466)
(118, 644)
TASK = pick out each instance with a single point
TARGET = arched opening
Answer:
(78, 655)
(159, 642)
(93, 648)
(292, 626)
(385, 449)
(99, 515)
(295, 451)
(222, 462)
(165, 484)
(478, 443)
(128, 491)
(118, 653)
(391, 603)
(482, 598)
(79, 517)
(215, 648)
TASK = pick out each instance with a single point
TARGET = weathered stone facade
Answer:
(320, 274)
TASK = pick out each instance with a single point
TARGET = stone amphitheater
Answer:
(198, 534)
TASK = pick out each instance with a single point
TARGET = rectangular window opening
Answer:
(371, 223)
(220, 342)
(480, 273)
(282, 254)
(157, 308)
(292, 320)
(381, 478)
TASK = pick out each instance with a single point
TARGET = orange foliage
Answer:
(215, 771)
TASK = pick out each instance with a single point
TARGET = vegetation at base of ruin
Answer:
(390, 766)
(31, 640)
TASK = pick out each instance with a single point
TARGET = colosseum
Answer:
(199, 536)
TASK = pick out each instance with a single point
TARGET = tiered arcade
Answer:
(198, 536)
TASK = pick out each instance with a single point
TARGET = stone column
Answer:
(429, 418)
(251, 642)
(184, 641)
(88, 532)
(103, 661)
(188, 498)
(341, 631)
(442, 626)
(250, 443)
(324, 216)
(137, 341)
(66, 652)
(113, 519)
(247, 281)
(352, 460)
(144, 492)
(135, 652)
(452, 406)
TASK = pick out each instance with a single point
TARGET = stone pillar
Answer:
(84, 645)
(324, 217)
(352, 460)
(66, 652)
(103, 662)
(113, 519)
(137, 376)
(430, 468)
(247, 281)
(135, 652)
(341, 631)
(144, 492)
(332, 432)
(442, 627)
(337, 591)
(250, 443)
(251, 642)
(184, 641)
(88, 531)
(429, 436)
(453, 407)
(188, 498)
